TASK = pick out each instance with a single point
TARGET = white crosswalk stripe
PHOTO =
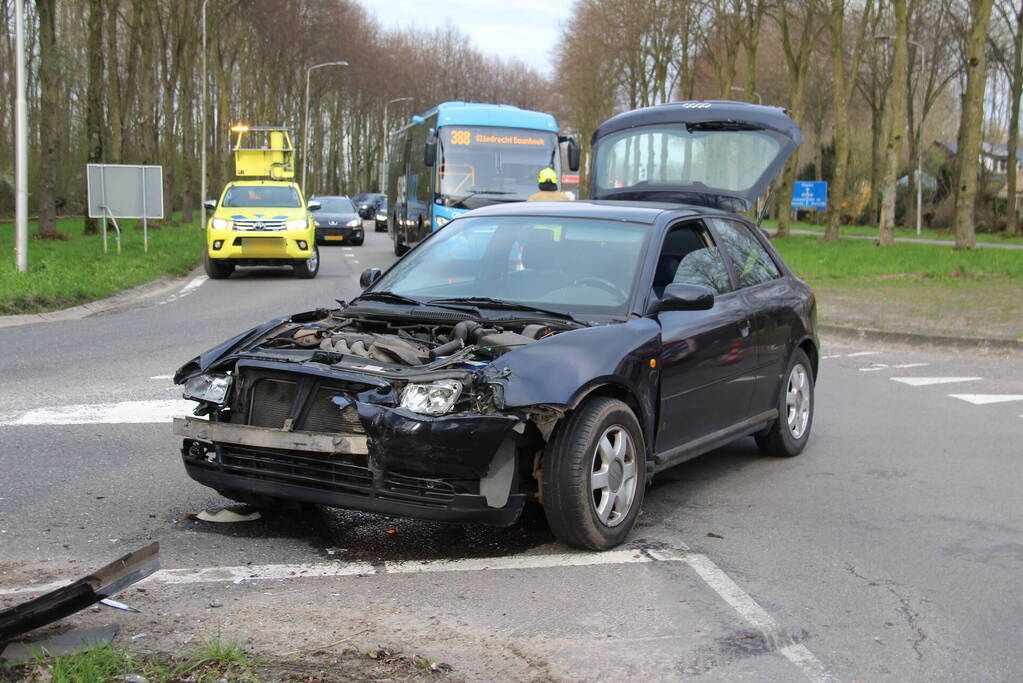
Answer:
(985, 399)
(926, 381)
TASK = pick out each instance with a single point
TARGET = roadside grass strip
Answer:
(76, 271)
(907, 233)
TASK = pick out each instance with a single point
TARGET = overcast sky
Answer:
(521, 29)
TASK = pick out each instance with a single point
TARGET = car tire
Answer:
(600, 439)
(308, 268)
(358, 242)
(787, 436)
(215, 268)
(399, 248)
(380, 228)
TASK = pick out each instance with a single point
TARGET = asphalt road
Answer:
(892, 549)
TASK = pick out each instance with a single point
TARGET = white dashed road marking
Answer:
(162, 377)
(862, 353)
(125, 412)
(926, 381)
(194, 284)
(884, 366)
(985, 399)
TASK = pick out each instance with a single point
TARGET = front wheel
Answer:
(308, 268)
(788, 435)
(357, 241)
(594, 475)
(216, 269)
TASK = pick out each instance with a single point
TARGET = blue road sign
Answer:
(810, 194)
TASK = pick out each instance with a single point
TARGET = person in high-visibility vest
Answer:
(548, 182)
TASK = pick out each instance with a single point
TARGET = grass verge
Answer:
(926, 233)
(918, 288)
(67, 273)
(216, 660)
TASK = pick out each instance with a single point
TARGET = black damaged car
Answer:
(560, 352)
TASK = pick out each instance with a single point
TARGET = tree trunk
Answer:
(94, 98)
(49, 160)
(970, 124)
(1016, 80)
(896, 128)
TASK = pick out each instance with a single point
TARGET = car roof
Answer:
(636, 212)
(329, 196)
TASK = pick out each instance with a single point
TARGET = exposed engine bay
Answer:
(415, 345)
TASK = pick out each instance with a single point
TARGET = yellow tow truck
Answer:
(261, 218)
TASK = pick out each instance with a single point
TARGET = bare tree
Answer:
(895, 126)
(971, 124)
(1010, 15)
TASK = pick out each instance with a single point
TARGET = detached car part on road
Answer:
(561, 352)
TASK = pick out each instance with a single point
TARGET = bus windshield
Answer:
(478, 165)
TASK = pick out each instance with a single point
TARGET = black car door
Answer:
(772, 298)
(707, 360)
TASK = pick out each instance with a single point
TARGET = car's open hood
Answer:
(720, 154)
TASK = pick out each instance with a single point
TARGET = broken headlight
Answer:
(209, 388)
(435, 398)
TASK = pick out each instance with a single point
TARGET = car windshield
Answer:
(335, 205)
(585, 267)
(490, 163)
(673, 156)
(278, 196)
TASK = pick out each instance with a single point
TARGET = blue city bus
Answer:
(460, 156)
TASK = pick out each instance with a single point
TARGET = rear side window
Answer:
(753, 264)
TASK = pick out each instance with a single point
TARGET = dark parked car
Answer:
(367, 203)
(558, 352)
(380, 217)
(337, 222)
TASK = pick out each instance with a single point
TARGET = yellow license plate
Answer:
(262, 247)
(335, 238)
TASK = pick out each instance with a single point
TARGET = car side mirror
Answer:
(573, 151)
(313, 205)
(430, 150)
(365, 212)
(369, 276)
(681, 296)
(210, 204)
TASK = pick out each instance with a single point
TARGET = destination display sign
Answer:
(495, 137)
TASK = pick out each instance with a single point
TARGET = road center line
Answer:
(193, 284)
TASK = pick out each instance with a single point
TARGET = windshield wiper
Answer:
(503, 305)
(389, 296)
(472, 193)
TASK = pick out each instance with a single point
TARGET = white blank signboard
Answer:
(125, 191)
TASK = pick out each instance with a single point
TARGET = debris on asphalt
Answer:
(117, 605)
(711, 534)
(216, 603)
(56, 646)
(230, 515)
(65, 601)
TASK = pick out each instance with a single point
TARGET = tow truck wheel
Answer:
(216, 269)
(308, 268)
(594, 475)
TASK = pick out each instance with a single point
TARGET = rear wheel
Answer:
(216, 269)
(308, 268)
(790, 432)
(399, 248)
(594, 475)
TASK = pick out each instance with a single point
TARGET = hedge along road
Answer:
(889, 549)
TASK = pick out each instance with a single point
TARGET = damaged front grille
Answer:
(272, 400)
(322, 471)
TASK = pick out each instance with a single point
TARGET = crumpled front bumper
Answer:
(457, 468)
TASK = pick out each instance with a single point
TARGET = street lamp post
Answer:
(305, 120)
(202, 134)
(20, 142)
(384, 141)
(919, 153)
